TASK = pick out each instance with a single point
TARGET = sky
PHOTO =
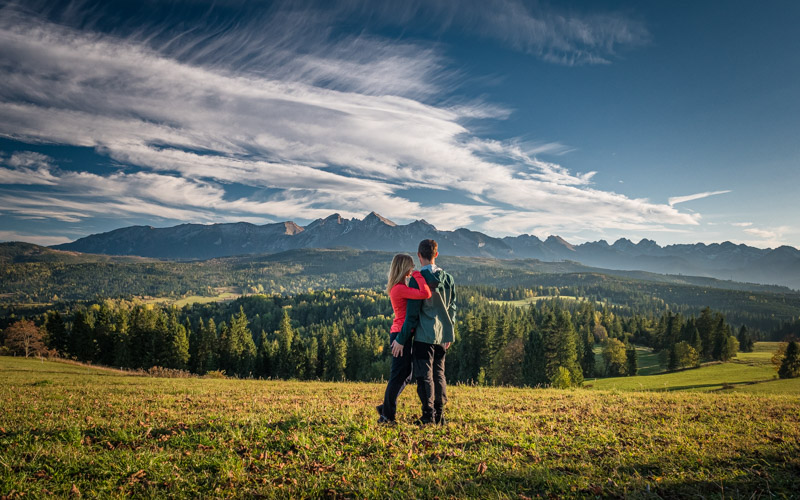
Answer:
(673, 121)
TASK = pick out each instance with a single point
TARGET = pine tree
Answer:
(145, 344)
(533, 365)
(568, 352)
(311, 359)
(243, 349)
(560, 342)
(335, 355)
(285, 338)
(206, 352)
(588, 358)
(720, 340)
(632, 362)
(57, 337)
(227, 350)
(673, 358)
(705, 326)
(696, 341)
(122, 341)
(176, 354)
(81, 341)
(103, 333)
(745, 339)
(790, 366)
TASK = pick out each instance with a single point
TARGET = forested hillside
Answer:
(30, 284)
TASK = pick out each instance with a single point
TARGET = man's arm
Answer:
(451, 309)
(412, 317)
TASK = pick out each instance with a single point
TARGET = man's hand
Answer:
(446, 345)
(397, 349)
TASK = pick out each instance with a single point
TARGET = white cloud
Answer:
(681, 199)
(313, 126)
(26, 168)
(767, 237)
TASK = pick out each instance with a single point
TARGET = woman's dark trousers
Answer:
(399, 377)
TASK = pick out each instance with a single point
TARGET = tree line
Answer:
(342, 335)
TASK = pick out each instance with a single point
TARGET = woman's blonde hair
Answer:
(401, 265)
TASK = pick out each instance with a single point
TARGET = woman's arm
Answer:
(406, 292)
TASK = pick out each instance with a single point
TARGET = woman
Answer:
(399, 293)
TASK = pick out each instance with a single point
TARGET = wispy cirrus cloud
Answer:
(541, 30)
(309, 121)
(698, 196)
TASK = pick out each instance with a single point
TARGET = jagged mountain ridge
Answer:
(199, 241)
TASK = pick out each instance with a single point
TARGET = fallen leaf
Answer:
(482, 468)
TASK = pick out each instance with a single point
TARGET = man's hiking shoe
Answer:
(423, 421)
(440, 420)
(379, 408)
(385, 421)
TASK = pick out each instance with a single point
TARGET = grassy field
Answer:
(532, 300)
(222, 295)
(747, 372)
(647, 360)
(71, 430)
(706, 378)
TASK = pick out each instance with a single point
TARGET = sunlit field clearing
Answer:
(706, 378)
(70, 428)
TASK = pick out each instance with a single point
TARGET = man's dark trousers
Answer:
(399, 377)
(431, 384)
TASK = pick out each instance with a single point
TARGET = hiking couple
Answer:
(424, 317)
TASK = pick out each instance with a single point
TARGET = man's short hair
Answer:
(427, 249)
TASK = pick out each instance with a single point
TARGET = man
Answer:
(433, 324)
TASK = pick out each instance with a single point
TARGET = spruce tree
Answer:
(81, 341)
(696, 341)
(745, 339)
(790, 366)
(123, 356)
(285, 338)
(631, 361)
(533, 364)
(207, 347)
(588, 358)
(57, 337)
(243, 349)
(103, 333)
(705, 326)
(177, 344)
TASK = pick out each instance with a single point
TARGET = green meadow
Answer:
(748, 372)
(70, 430)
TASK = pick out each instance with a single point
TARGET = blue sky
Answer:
(674, 121)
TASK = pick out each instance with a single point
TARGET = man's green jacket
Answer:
(432, 320)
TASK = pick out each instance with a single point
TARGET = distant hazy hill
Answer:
(198, 241)
(17, 252)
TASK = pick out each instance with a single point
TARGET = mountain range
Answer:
(199, 241)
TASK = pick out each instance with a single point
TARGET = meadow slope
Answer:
(72, 430)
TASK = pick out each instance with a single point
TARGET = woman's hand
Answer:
(397, 349)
